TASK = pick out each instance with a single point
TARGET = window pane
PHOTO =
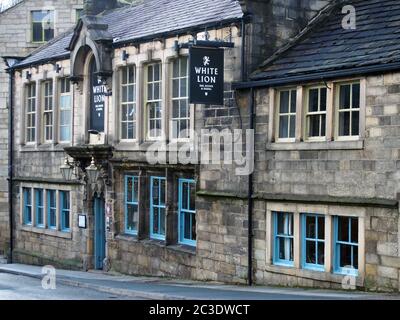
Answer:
(344, 99)
(293, 101)
(314, 126)
(187, 225)
(292, 132)
(345, 255)
(321, 228)
(323, 99)
(354, 230)
(284, 102)
(175, 88)
(283, 126)
(155, 221)
(321, 253)
(175, 68)
(356, 96)
(313, 100)
(192, 196)
(343, 229)
(285, 223)
(355, 257)
(310, 227)
(129, 189)
(162, 221)
(355, 123)
(323, 125)
(132, 217)
(344, 123)
(310, 252)
(37, 32)
(285, 249)
(184, 66)
(185, 189)
(194, 233)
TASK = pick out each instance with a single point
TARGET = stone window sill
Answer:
(175, 247)
(312, 275)
(50, 147)
(47, 232)
(317, 145)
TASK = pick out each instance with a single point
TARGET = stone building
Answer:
(327, 151)
(320, 209)
(24, 27)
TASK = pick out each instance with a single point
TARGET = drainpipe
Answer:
(10, 72)
(243, 62)
(250, 202)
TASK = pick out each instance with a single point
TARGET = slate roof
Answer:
(147, 20)
(327, 47)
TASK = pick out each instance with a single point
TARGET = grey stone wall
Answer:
(15, 40)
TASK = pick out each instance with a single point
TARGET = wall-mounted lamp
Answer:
(57, 68)
(28, 75)
(125, 55)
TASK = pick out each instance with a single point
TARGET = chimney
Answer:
(95, 7)
(274, 23)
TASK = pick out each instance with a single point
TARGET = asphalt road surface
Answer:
(13, 287)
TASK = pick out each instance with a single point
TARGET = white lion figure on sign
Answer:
(206, 61)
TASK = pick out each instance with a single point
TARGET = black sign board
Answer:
(206, 76)
(97, 100)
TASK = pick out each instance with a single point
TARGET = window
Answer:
(313, 245)
(187, 212)
(316, 113)
(27, 213)
(283, 238)
(180, 99)
(31, 112)
(346, 245)
(65, 110)
(157, 208)
(128, 103)
(349, 110)
(42, 25)
(65, 208)
(39, 208)
(51, 209)
(48, 110)
(79, 14)
(131, 204)
(154, 101)
(287, 115)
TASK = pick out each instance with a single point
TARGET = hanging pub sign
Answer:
(206, 76)
(97, 100)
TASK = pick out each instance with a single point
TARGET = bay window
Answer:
(187, 212)
(27, 212)
(48, 112)
(65, 208)
(313, 243)
(287, 115)
(283, 238)
(131, 204)
(348, 111)
(31, 112)
(39, 207)
(180, 119)
(346, 245)
(157, 207)
(128, 103)
(316, 113)
(65, 110)
(153, 103)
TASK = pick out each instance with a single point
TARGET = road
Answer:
(14, 287)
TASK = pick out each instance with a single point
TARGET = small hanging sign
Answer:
(206, 75)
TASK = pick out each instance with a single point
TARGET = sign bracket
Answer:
(203, 43)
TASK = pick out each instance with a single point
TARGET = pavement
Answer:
(172, 289)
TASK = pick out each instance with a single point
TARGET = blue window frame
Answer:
(39, 208)
(51, 209)
(157, 208)
(346, 245)
(187, 212)
(65, 209)
(283, 239)
(27, 213)
(131, 204)
(313, 244)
